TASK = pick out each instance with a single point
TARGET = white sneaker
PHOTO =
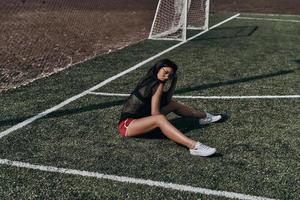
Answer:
(202, 150)
(209, 119)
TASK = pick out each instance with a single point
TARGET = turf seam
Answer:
(130, 180)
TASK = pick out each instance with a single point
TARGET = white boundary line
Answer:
(270, 14)
(209, 97)
(124, 179)
(270, 19)
(101, 84)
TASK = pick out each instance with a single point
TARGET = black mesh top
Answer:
(138, 104)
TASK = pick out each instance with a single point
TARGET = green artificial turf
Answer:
(258, 146)
(25, 184)
(24, 102)
(241, 57)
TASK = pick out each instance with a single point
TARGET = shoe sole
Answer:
(205, 123)
(195, 153)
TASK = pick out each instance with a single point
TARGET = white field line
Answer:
(270, 19)
(101, 84)
(209, 97)
(124, 179)
(270, 14)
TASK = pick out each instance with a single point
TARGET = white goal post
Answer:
(174, 17)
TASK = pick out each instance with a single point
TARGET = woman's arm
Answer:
(170, 92)
(155, 100)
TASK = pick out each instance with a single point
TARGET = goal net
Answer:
(174, 17)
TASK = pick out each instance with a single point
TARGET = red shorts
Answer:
(123, 125)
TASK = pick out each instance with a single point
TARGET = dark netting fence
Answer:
(39, 37)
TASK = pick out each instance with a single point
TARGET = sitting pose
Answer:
(149, 103)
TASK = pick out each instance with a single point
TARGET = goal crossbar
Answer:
(174, 17)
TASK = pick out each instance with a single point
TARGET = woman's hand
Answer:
(165, 74)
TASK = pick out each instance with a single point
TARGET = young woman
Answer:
(150, 102)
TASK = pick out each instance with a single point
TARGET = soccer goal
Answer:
(174, 17)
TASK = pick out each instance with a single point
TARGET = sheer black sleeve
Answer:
(167, 96)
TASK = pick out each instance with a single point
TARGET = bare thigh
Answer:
(146, 124)
(142, 125)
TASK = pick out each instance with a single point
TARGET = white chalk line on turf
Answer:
(270, 19)
(124, 179)
(209, 97)
(270, 14)
(101, 84)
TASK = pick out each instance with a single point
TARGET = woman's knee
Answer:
(160, 119)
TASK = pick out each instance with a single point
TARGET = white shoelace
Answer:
(209, 117)
(202, 146)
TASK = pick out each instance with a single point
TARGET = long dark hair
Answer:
(161, 63)
(151, 76)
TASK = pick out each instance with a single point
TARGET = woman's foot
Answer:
(202, 150)
(209, 119)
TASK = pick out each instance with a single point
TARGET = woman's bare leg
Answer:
(146, 124)
(182, 110)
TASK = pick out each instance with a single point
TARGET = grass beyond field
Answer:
(258, 145)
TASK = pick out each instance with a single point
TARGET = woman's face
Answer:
(165, 73)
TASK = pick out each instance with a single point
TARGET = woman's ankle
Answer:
(192, 145)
